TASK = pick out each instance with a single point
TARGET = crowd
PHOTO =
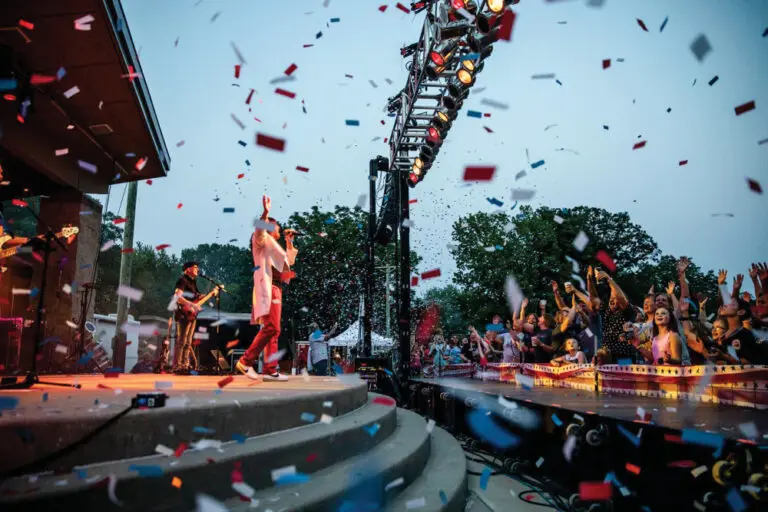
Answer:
(601, 326)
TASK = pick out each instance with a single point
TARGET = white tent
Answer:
(351, 336)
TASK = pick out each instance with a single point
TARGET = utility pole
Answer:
(404, 310)
(119, 342)
(388, 325)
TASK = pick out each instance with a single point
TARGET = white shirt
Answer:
(318, 348)
(267, 253)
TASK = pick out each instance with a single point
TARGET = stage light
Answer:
(434, 132)
(471, 6)
(457, 90)
(418, 163)
(442, 53)
(433, 71)
(426, 154)
(442, 121)
(496, 6)
(465, 77)
(487, 23)
(478, 44)
(416, 170)
(458, 4)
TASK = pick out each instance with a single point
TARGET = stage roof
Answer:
(112, 115)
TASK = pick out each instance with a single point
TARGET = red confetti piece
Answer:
(746, 107)
(285, 93)
(671, 438)
(36, 79)
(382, 8)
(488, 129)
(507, 24)
(754, 186)
(178, 206)
(103, 386)
(250, 96)
(682, 163)
(162, 246)
(149, 182)
(19, 202)
(19, 118)
(141, 163)
(232, 343)
(632, 468)
(270, 142)
(606, 260)
(27, 25)
(120, 220)
(127, 251)
(402, 8)
(237, 70)
(642, 24)
(595, 491)
(385, 140)
(486, 114)
(430, 274)
(479, 173)
(639, 145)
(384, 400)
(382, 121)
(414, 281)
(257, 119)
(240, 176)
(483, 361)
(308, 45)
(311, 457)
(180, 449)
(681, 464)
(111, 375)
(606, 63)
(302, 169)
(289, 71)
(412, 201)
(226, 380)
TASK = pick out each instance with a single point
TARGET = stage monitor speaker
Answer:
(10, 343)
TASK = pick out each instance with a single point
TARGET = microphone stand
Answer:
(32, 376)
(218, 309)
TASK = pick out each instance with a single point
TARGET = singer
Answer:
(271, 268)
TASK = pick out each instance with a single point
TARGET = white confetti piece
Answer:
(514, 294)
(243, 489)
(558, 219)
(276, 356)
(62, 152)
(697, 472)
(279, 473)
(108, 245)
(522, 194)
(430, 426)
(568, 447)
(373, 84)
(62, 349)
(88, 18)
(525, 381)
(206, 503)
(540, 462)
(164, 450)
(130, 293)
(111, 487)
(581, 241)
(71, 92)
(494, 104)
(325, 418)
(397, 482)
(237, 121)
(543, 76)
(66, 289)
(21, 291)
(327, 405)
(71, 324)
(417, 503)
(87, 166)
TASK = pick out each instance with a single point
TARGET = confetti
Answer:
(682, 163)
(701, 47)
(302, 169)
(287, 94)
(639, 145)
(430, 274)
(606, 260)
(71, 92)
(226, 380)
(308, 417)
(86, 166)
(176, 482)
(663, 24)
(746, 107)
(606, 63)
(372, 429)
(382, 8)
(352, 122)
(506, 25)
(543, 76)
(494, 104)
(402, 8)
(36, 79)
(581, 241)
(632, 468)
(474, 113)
(521, 194)
(270, 142)
(479, 173)
(534, 165)
(111, 487)
(642, 24)
(713, 80)
(595, 491)
(131, 293)
(754, 186)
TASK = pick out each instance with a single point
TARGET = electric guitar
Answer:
(191, 309)
(66, 232)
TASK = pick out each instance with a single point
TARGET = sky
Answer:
(191, 84)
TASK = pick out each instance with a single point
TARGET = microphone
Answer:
(293, 232)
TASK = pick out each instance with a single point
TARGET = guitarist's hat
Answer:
(190, 264)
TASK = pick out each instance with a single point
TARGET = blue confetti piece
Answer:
(247, 162)
(8, 84)
(372, 429)
(215, 391)
(495, 327)
(87, 357)
(499, 247)
(146, 470)
(81, 474)
(485, 477)
(558, 82)
(240, 438)
(203, 430)
(338, 369)
(534, 165)
(61, 73)
(735, 500)
(474, 113)
(625, 362)
(352, 122)
(494, 201)
(330, 221)
(318, 35)
(308, 417)
(335, 20)
(49, 339)
(254, 269)
(86, 266)
(8, 403)
(557, 421)
(96, 402)
(485, 428)
(694, 436)
(229, 210)
(130, 155)
(193, 372)
(443, 497)
(33, 292)
(629, 435)
(295, 478)
(242, 143)
(45, 397)
(388, 372)
(514, 206)
(663, 24)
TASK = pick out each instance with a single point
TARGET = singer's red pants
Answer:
(266, 339)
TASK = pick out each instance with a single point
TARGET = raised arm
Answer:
(591, 284)
(754, 272)
(616, 291)
(682, 266)
(558, 298)
(583, 297)
(260, 230)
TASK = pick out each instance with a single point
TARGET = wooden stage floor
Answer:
(721, 419)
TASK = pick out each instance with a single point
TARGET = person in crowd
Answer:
(614, 316)
(318, 348)
(541, 342)
(455, 355)
(666, 345)
(439, 350)
(573, 354)
(510, 342)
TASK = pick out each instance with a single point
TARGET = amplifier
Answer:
(10, 343)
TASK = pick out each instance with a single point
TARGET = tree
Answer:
(229, 265)
(533, 247)
(637, 284)
(449, 301)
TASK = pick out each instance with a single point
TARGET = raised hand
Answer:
(568, 288)
(753, 271)
(738, 280)
(762, 269)
(525, 303)
(555, 287)
(702, 303)
(267, 202)
(602, 275)
(590, 272)
(722, 275)
(682, 265)
(671, 288)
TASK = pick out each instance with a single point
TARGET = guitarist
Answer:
(187, 295)
(8, 241)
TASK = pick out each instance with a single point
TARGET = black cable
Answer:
(521, 495)
(32, 467)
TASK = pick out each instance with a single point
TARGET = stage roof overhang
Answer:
(111, 118)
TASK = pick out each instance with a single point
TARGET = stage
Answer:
(673, 414)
